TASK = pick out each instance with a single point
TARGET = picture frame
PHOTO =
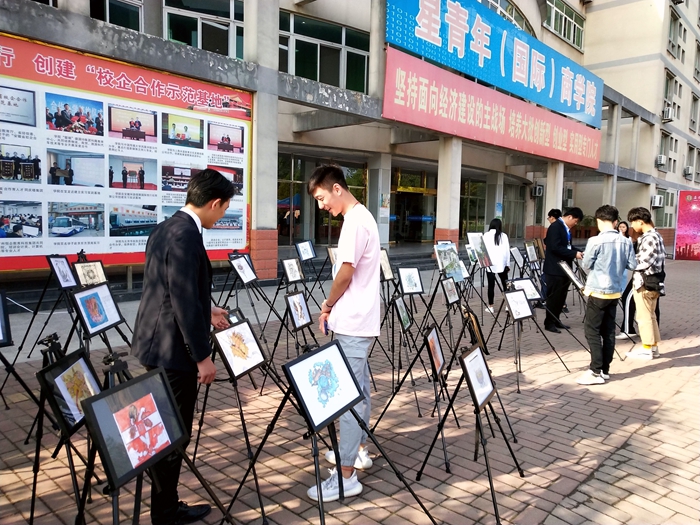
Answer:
(526, 285)
(298, 310)
(448, 260)
(387, 274)
(306, 250)
(471, 254)
(411, 282)
(243, 269)
(531, 252)
(518, 305)
(571, 275)
(239, 348)
(61, 269)
(449, 288)
(66, 383)
(437, 357)
(405, 318)
(332, 255)
(476, 240)
(235, 315)
(293, 271)
(539, 243)
(89, 273)
(464, 270)
(323, 383)
(96, 308)
(117, 421)
(478, 375)
(475, 327)
(517, 256)
(5, 331)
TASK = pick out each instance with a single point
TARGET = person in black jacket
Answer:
(559, 248)
(173, 321)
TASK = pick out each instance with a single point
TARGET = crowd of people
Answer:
(12, 225)
(19, 159)
(78, 122)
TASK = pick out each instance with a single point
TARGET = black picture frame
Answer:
(235, 315)
(437, 356)
(571, 275)
(478, 375)
(293, 272)
(405, 317)
(449, 288)
(244, 270)
(518, 305)
(411, 282)
(90, 273)
(72, 374)
(306, 250)
(528, 286)
(5, 331)
(61, 269)
(324, 384)
(97, 309)
(298, 310)
(108, 413)
(386, 273)
(239, 348)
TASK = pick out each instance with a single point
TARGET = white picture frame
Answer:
(531, 252)
(449, 288)
(411, 282)
(517, 256)
(447, 259)
(476, 240)
(471, 253)
(518, 305)
(387, 274)
(293, 271)
(526, 285)
(479, 380)
(62, 270)
(437, 357)
(463, 269)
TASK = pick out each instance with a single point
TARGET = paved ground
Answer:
(623, 452)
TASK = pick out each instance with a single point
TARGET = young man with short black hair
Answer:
(608, 256)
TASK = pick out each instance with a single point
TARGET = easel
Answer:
(310, 266)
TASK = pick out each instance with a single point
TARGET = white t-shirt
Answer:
(357, 312)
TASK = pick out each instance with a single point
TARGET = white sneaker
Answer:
(590, 378)
(362, 461)
(330, 489)
(625, 335)
(489, 309)
(641, 353)
(604, 375)
(655, 352)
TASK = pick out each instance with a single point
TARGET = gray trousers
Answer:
(351, 435)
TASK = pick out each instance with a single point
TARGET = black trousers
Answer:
(557, 288)
(164, 503)
(491, 278)
(599, 327)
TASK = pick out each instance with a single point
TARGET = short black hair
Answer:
(640, 214)
(16, 228)
(607, 213)
(208, 185)
(555, 213)
(325, 177)
(576, 213)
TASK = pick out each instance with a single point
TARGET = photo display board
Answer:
(113, 156)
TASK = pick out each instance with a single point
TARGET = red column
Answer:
(263, 252)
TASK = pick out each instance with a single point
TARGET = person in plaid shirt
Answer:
(651, 255)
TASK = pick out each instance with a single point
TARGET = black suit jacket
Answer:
(174, 317)
(557, 241)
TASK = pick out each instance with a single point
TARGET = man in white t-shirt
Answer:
(351, 311)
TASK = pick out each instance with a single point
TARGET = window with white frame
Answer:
(124, 13)
(323, 51)
(696, 72)
(669, 86)
(510, 12)
(694, 113)
(565, 22)
(689, 169)
(214, 25)
(674, 32)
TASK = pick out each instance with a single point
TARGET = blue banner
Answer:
(470, 38)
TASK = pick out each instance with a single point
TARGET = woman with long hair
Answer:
(498, 247)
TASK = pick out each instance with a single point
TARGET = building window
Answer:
(322, 51)
(565, 22)
(696, 72)
(689, 169)
(52, 3)
(694, 113)
(674, 31)
(510, 12)
(207, 25)
(124, 13)
(669, 86)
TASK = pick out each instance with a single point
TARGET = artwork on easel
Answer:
(90, 273)
(292, 270)
(517, 256)
(240, 349)
(539, 243)
(134, 425)
(571, 275)
(531, 251)
(476, 240)
(298, 310)
(67, 382)
(471, 253)
(448, 260)
(61, 269)
(323, 383)
(96, 308)
(385, 266)
(450, 290)
(478, 376)
(235, 315)
(527, 286)
(463, 269)
(332, 255)
(437, 358)
(402, 311)
(410, 281)
(306, 250)
(475, 326)
(243, 269)
(5, 332)
(518, 305)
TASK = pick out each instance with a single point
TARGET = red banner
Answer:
(418, 93)
(688, 226)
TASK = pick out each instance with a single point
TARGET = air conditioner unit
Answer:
(537, 190)
(667, 115)
(688, 172)
(568, 203)
(660, 160)
(657, 201)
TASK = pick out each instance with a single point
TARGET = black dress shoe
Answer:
(565, 309)
(191, 513)
(563, 326)
(553, 329)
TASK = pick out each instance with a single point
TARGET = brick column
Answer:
(445, 234)
(263, 252)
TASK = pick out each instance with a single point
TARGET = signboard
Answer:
(418, 93)
(467, 36)
(113, 156)
(688, 226)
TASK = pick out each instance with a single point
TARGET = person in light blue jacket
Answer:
(608, 256)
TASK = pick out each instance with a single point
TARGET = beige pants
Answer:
(645, 302)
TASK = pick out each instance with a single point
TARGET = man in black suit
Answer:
(559, 248)
(173, 321)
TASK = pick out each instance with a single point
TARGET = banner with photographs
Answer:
(113, 157)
